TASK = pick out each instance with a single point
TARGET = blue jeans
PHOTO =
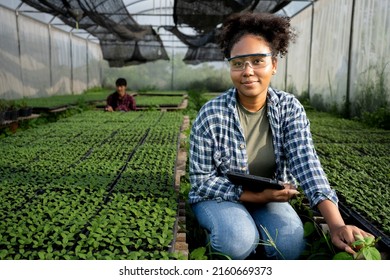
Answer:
(235, 229)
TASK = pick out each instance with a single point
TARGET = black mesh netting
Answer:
(122, 39)
(205, 16)
(125, 42)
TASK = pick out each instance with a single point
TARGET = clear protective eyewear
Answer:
(255, 60)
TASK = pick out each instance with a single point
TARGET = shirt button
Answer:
(242, 146)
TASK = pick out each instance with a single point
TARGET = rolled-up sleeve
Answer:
(302, 158)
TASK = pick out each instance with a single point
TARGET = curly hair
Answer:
(276, 30)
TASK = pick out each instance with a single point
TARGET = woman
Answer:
(255, 129)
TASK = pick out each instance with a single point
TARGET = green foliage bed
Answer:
(356, 159)
(67, 99)
(93, 186)
(100, 186)
(98, 96)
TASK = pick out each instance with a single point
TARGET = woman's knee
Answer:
(287, 245)
(282, 230)
(237, 243)
(231, 228)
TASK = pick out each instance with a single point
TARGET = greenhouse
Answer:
(80, 183)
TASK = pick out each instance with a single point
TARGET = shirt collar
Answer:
(272, 97)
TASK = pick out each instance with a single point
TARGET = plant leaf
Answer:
(371, 253)
(343, 256)
(308, 228)
(199, 254)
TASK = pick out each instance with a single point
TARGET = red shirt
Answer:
(126, 103)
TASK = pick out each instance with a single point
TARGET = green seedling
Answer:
(365, 249)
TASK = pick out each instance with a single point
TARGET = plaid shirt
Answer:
(217, 145)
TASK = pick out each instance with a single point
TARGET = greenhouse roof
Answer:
(137, 31)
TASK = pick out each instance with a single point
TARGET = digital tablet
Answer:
(254, 182)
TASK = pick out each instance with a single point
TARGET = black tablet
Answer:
(254, 182)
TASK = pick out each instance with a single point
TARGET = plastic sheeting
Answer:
(38, 60)
(342, 49)
(35, 55)
(62, 62)
(295, 79)
(79, 63)
(10, 70)
(330, 51)
(370, 59)
(298, 81)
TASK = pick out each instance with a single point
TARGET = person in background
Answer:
(255, 129)
(120, 100)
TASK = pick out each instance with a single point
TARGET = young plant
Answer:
(270, 241)
(365, 247)
(205, 253)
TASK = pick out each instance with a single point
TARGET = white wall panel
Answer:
(61, 66)
(279, 80)
(330, 51)
(370, 48)
(11, 85)
(79, 65)
(299, 60)
(95, 57)
(35, 57)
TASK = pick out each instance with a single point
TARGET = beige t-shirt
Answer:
(258, 138)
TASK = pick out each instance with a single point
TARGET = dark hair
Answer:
(276, 30)
(121, 82)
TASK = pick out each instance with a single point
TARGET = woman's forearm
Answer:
(331, 214)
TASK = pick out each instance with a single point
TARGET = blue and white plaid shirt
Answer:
(217, 145)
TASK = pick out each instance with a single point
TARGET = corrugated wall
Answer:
(330, 50)
(39, 60)
(10, 70)
(342, 47)
(370, 57)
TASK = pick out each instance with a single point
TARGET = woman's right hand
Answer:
(269, 195)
